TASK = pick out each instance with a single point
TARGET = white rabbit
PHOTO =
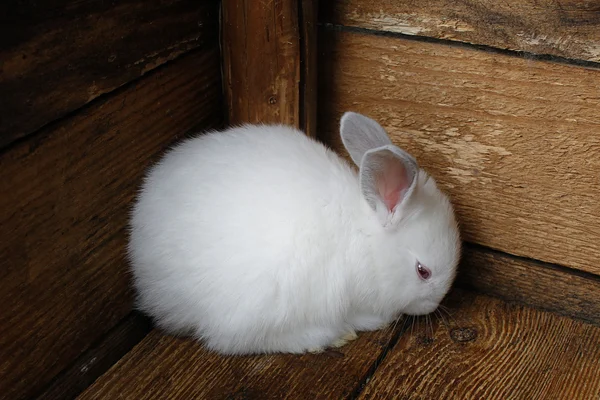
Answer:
(259, 239)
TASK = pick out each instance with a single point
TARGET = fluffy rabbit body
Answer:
(259, 239)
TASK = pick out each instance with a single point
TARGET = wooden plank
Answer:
(310, 67)
(565, 28)
(57, 55)
(269, 62)
(97, 360)
(261, 61)
(173, 368)
(513, 141)
(492, 350)
(65, 199)
(539, 285)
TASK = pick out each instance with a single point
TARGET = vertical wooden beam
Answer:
(309, 65)
(269, 63)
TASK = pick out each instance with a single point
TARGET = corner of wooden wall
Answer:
(269, 62)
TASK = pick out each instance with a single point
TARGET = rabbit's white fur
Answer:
(258, 239)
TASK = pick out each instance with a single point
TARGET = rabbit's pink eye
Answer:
(424, 272)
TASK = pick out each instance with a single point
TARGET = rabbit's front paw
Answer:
(342, 341)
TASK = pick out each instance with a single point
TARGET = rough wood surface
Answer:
(57, 55)
(513, 141)
(565, 28)
(97, 360)
(536, 284)
(65, 197)
(308, 19)
(486, 349)
(261, 61)
(492, 350)
(173, 368)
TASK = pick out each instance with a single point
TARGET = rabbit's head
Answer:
(416, 246)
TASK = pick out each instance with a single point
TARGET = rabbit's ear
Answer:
(361, 134)
(387, 177)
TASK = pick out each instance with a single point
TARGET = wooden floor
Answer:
(488, 349)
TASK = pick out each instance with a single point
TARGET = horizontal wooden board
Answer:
(174, 368)
(543, 286)
(57, 55)
(569, 28)
(491, 350)
(98, 359)
(514, 142)
(65, 198)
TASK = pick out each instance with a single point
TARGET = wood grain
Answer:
(492, 350)
(539, 285)
(57, 55)
(173, 368)
(565, 28)
(98, 359)
(65, 198)
(513, 141)
(261, 61)
(308, 19)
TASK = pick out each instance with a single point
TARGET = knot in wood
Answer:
(462, 335)
(424, 340)
(272, 100)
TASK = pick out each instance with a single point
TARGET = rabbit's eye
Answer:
(423, 271)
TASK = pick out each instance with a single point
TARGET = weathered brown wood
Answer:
(57, 55)
(309, 63)
(532, 283)
(565, 28)
(173, 368)
(261, 61)
(488, 349)
(65, 198)
(97, 360)
(492, 350)
(513, 141)
(263, 45)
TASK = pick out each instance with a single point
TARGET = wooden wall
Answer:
(90, 93)
(269, 62)
(500, 102)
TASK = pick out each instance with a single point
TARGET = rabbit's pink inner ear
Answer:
(392, 182)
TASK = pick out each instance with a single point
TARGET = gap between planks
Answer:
(396, 334)
(98, 359)
(48, 127)
(537, 284)
(329, 27)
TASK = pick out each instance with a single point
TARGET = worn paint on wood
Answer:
(65, 198)
(57, 55)
(514, 142)
(173, 368)
(565, 28)
(491, 350)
